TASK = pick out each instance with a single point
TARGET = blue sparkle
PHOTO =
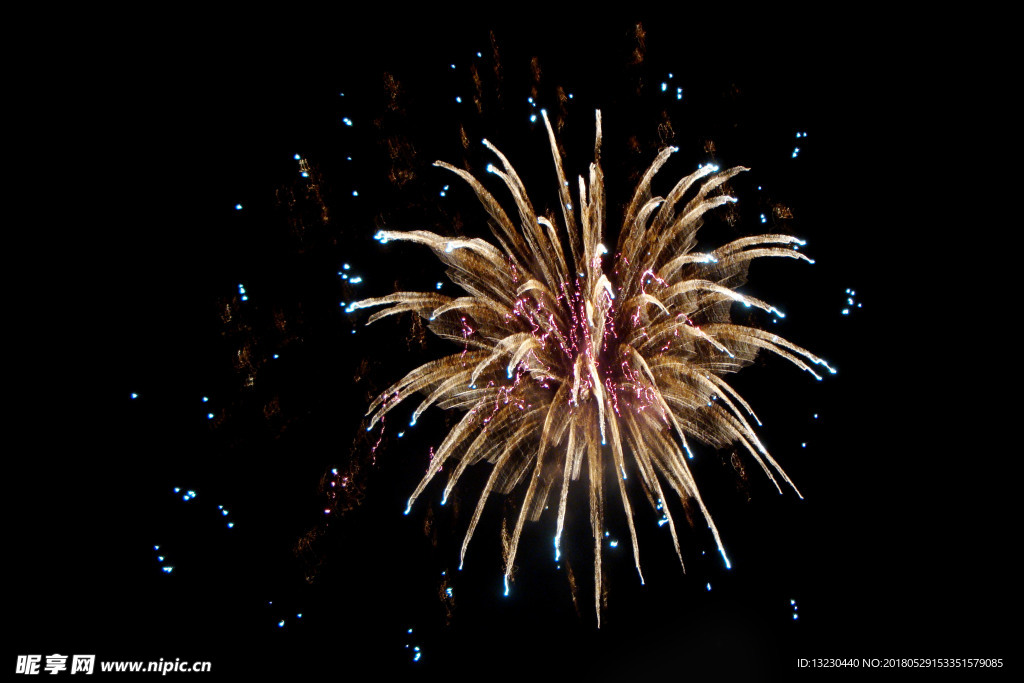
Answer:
(238, 207)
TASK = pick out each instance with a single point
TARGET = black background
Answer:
(897, 550)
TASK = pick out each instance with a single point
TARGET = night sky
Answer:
(182, 344)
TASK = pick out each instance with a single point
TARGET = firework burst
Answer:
(568, 367)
